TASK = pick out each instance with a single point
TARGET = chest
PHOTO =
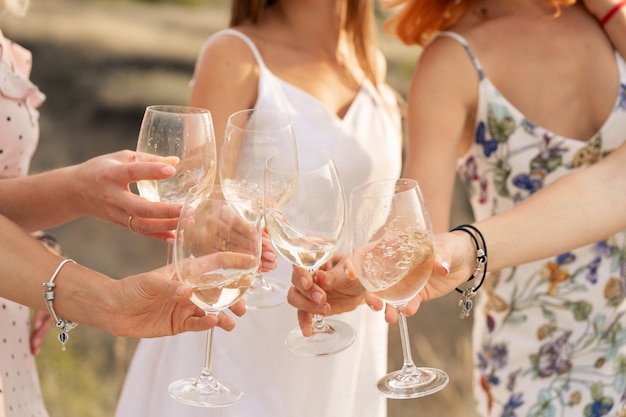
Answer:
(333, 84)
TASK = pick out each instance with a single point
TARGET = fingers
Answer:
(200, 323)
(304, 320)
(239, 308)
(225, 321)
(153, 219)
(137, 166)
(42, 322)
(374, 302)
(268, 255)
(306, 295)
(412, 306)
(391, 314)
(162, 229)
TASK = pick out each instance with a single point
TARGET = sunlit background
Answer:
(100, 63)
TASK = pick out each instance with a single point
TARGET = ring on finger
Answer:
(130, 223)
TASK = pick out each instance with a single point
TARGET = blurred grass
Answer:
(100, 63)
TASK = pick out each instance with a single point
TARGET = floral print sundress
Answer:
(549, 337)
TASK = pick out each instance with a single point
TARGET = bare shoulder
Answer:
(445, 65)
(226, 75)
(227, 49)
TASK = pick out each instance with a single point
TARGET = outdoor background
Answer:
(100, 63)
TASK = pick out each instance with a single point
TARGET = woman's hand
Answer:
(102, 189)
(333, 289)
(454, 263)
(154, 304)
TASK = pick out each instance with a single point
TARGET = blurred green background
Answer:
(100, 63)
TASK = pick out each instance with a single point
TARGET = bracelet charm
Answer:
(65, 326)
(465, 302)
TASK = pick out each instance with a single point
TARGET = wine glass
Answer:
(217, 250)
(251, 136)
(392, 249)
(185, 136)
(304, 216)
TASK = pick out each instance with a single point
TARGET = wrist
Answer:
(74, 189)
(84, 296)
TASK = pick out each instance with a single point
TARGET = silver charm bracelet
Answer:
(64, 325)
(465, 302)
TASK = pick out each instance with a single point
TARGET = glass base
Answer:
(335, 337)
(199, 393)
(265, 292)
(417, 383)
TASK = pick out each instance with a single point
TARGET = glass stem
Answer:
(318, 323)
(408, 366)
(206, 376)
(259, 281)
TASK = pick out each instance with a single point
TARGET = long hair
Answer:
(360, 27)
(417, 21)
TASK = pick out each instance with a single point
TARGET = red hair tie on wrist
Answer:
(612, 12)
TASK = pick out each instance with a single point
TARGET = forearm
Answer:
(80, 295)
(578, 209)
(42, 200)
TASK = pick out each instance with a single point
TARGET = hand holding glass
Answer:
(185, 136)
(304, 216)
(392, 250)
(217, 250)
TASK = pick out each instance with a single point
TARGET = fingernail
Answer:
(321, 309)
(180, 290)
(317, 297)
(303, 281)
(269, 256)
(446, 266)
(168, 170)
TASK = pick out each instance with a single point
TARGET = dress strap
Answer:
(246, 39)
(460, 39)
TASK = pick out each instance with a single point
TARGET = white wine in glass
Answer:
(251, 136)
(186, 136)
(304, 216)
(217, 250)
(392, 250)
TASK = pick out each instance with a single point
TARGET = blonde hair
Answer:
(14, 7)
(360, 27)
(417, 21)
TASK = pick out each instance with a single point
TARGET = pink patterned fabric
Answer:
(19, 117)
(20, 394)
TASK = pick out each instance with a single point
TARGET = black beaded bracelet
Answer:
(467, 294)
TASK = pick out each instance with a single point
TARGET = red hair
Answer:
(417, 21)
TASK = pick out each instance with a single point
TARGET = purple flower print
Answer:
(551, 358)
